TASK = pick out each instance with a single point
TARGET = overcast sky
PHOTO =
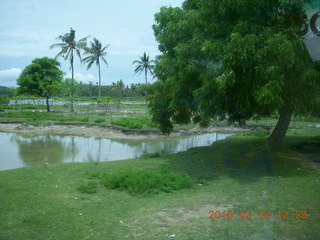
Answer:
(29, 27)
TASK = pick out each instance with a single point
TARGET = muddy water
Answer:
(21, 151)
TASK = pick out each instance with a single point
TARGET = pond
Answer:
(22, 150)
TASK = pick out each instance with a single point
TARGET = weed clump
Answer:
(90, 187)
(99, 120)
(134, 123)
(143, 182)
(150, 155)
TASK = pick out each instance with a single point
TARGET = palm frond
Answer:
(79, 54)
(63, 51)
(90, 64)
(87, 59)
(68, 51)
(138, 69)
(137, 62)
(105, 61)
(57, 45)
(103, 49)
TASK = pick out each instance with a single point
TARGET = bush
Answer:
(150, 155)
(258, 133)
(4, 99)
(140, 182)
(133, 123)
(85, 119)
(90, 187)
(99, 120)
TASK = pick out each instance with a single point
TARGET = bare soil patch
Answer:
(105, 131)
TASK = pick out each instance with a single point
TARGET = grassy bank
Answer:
(237, 174)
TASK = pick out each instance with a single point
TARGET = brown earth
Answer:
(105, 131)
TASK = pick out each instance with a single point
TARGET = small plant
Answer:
(95, 175)
(142, 182)
(90, 187)
(258, 133)
(150, 155)
(85, 119)
(99, 120)
(134, 123)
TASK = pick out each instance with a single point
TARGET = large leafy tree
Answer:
(96, 54)
(144, 65)
(41, 78)
(69, 48)
(233, 60)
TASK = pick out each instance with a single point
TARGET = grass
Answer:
(134, 123)
(144, 182)
(237, 174)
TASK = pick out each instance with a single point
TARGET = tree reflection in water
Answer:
(40, 150)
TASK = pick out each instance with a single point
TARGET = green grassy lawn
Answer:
(237, 174)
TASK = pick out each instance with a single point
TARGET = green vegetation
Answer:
(41, 78)
(89, 187)
(221, 60)
(144, 64)
(4, 99)
(133, 123)
(144, 182)
(236, 174)
(96, 54)
(69, 48)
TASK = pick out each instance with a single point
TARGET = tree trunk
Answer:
(47, 102)
(145, 74)
(72, 76)
(279, 132)
(99, 82)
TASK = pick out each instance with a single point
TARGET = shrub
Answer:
(150, 155)
(258, 133)
(131, 123)
(141, 182)
(4, 99)
(90, 187)
(134, 123)
(99, 120)
(85, 119)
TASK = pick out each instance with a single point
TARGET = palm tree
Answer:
(96, 53)
(144, 64)
(69, 47)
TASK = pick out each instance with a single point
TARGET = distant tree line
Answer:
(118, 89)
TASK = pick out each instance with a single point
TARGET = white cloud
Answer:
(84, 78)
(29, 28)
(8, 77)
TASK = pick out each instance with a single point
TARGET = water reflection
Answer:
(40, 150)
(20, 151)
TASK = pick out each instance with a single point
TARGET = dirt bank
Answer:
(105, 131)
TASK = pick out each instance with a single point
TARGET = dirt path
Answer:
(105, 131)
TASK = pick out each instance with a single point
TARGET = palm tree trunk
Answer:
(145, 74)
(72, 86)
(99, 81)
(279, 132)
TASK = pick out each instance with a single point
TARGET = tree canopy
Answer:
(41, 78)
(233, 60)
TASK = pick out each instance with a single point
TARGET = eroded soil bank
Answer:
(106, 131)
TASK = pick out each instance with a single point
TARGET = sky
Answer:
(29, 27)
